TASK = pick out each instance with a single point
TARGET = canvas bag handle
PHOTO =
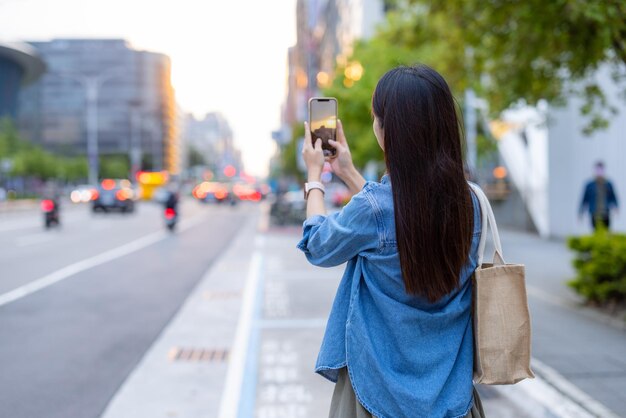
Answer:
(488, 220)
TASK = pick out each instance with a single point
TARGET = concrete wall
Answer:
(571, 158)
(524, 150)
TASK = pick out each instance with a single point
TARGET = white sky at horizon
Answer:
(227, 56)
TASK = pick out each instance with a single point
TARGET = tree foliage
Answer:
(116, 166)
(29, 160)
(529, 50)
(289, 154)
(195, 157)
(507, 51)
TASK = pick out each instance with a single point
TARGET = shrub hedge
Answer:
(600, 263)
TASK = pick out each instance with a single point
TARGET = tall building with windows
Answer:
(212, 137)
(131, 91)
(19, 65)
(326, 33)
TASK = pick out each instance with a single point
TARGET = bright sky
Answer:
(228, 56)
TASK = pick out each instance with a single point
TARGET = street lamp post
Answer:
(135, 138)
(92, 87)
(92, 84)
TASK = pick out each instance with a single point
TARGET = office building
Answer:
(212, 137)
(326, 33)
(106, 86)
(19, 65)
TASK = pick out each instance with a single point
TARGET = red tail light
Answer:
(121, 195)
(108, 184)
(170, 213)
(94, 194)
(47, 205)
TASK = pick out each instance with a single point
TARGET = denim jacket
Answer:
(406, 357)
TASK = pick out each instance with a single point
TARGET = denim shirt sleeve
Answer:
(332, 240)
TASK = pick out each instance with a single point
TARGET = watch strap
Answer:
(308, 186)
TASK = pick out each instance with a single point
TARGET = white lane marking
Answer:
(91, 262)
(33, 239)
(231, 394)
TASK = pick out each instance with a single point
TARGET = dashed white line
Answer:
(90, 262)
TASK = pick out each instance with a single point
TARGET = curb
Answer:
(161, 384)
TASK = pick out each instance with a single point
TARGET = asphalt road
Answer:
(67, 347)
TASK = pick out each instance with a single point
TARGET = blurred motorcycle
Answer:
(171, 217)
(50, 209)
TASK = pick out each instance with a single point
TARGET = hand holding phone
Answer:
(323, 123)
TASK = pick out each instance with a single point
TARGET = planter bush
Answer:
(600, 263)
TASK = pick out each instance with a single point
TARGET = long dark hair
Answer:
(423, 155)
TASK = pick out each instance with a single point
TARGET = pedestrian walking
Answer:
(599, 199)
(399, 342)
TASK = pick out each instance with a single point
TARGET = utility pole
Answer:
(135, 139)
(92, 85)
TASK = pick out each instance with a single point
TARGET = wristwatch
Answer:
(312, 185)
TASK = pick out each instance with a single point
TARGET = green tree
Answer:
(354, 97)
(507, 51)
(9, 138)
(195, 157)
(30, 160)
(72, 169)
(114, 166)
(528, 50)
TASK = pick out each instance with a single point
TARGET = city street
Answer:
(67, 347)
(111, 316)
(265, 309)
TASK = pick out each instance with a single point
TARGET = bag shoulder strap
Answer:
(487, 220)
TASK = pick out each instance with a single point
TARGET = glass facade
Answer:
(10, 80)
(133, 91)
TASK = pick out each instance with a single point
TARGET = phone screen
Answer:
(323, 122)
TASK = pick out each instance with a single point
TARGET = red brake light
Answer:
(47, 205)
(121, 195)
(108, 184)
(170, 213)
(94, 194)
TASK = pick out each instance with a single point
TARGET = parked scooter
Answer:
(50, 210)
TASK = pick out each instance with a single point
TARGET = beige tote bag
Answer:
(500, 312)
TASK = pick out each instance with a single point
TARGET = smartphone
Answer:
(323, 122)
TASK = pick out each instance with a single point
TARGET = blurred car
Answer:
(114, 195)
(213, 192)
(247, 192)
(289, 208)
(83, 193)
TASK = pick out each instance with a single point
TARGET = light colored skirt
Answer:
(344, 403)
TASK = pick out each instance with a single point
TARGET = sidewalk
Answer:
(245, 342)
(10, 206)
(586, 348)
